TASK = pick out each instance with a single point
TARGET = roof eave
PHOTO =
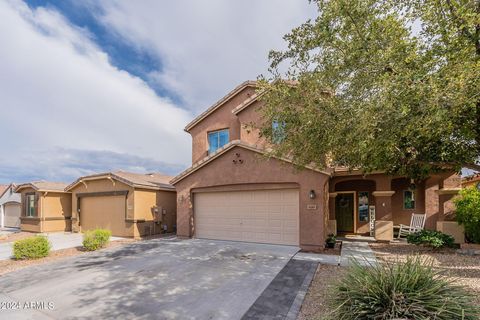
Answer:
(218, 104)
(236, 143)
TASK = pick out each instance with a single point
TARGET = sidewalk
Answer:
(351, 250)
(359, 251)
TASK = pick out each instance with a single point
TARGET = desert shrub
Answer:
(31, 248)
(468, 212)
(96, 239)
(399, 290)
(431, 238)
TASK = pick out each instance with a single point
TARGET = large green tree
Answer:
(379, 85)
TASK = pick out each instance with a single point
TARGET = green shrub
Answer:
(468, 213)
(431, 238)
(96, 239)
(400, 290)
(31, 248)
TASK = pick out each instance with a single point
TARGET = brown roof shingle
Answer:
(43, 186)
(153, 180)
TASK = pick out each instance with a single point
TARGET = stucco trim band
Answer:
(449, 191)
(383, 193)
(102, 194)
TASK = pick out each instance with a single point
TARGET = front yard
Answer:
(463, 269)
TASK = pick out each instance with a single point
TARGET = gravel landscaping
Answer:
(315, 304)
(15, 236)
(463, 268)
(7, 266)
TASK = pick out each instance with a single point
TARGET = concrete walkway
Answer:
(318, 257)
(358, 251)
(351, 250)
(58, 240)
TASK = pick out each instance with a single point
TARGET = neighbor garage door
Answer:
(103, 212)
(12, 215)
(266, 216)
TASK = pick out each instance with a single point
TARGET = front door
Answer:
(344, 212)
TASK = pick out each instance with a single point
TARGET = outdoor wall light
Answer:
(312, 194)
(412, 185)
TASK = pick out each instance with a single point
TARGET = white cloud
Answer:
(58, 90)
(206, 47)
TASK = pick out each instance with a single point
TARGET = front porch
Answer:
(372, 205)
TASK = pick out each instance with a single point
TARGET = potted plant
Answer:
(331, 240)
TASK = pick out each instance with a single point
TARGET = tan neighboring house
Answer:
(232, 192)
(128, 204)
(46, 206)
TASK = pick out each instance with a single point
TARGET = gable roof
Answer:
(248, 102)
(45, 186)
(3, 189)
(235, 143)
(155, 181)
(219, 103)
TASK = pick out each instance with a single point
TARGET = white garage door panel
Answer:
(266, 216)
(12, 215)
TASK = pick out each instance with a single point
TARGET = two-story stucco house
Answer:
(233, 192)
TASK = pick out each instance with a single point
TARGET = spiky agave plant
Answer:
(411, 289)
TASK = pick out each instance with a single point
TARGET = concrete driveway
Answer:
(155, 279)
(58, 240)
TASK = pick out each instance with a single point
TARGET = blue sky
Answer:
(90, 86)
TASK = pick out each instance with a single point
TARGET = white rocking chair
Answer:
(417, 223)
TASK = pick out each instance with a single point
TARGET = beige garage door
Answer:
(103, 212)
(12, 215)
(265, 216)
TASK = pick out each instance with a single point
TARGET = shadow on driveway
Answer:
(160, 278)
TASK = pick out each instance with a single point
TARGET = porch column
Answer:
(383, 215)
(432, 202)
(383, 204)
(332, 222)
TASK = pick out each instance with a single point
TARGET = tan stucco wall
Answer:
(250, 120)
(53, 212)
(401, 215)
(256, 170)
(221, 118)
(146, 201)
(57, 205)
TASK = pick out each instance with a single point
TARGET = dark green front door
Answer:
(344, 209)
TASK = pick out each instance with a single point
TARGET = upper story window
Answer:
(408, 199)
(278, 131)
(217, 139)
(30, 205)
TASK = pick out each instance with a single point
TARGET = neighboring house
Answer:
(471, 181)
(232, 192)
(46, 206)
(128, 204)
(10, 206)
